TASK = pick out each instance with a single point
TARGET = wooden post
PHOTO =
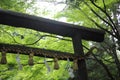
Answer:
(81, 73)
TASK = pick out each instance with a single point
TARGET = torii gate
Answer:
(77, 33)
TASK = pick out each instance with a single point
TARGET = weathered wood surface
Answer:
(38, 52)
(50, 26)
(81, 73)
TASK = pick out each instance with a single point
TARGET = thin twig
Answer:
(104, 5)
(105, 67)
(114, 26)
(10, 36)
(100, 17)
(36, 40)
(96, 23)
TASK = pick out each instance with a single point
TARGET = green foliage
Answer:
(16, 5)
(93, 14)
(77, 12)
(11, 70)
(21, 36)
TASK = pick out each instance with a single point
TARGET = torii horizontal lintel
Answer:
(12, 48)
(50, 26)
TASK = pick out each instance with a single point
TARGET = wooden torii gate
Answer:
(77, 33)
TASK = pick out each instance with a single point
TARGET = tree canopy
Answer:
(103, 64)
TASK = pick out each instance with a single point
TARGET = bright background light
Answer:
(47, 9)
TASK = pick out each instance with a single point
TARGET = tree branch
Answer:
(104, 66)
(100, 17)
(36, 40)
(104, 11)
(96, 23)
(117, 62)
(104, 5)
(10, 36)
(103, 28)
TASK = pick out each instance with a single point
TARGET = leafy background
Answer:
(103, 64)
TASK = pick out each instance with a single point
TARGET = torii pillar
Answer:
(81, 73)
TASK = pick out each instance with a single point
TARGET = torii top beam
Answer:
(50, 26)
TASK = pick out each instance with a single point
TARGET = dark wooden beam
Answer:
(81, 73)
(9, 48)
(50, 26)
